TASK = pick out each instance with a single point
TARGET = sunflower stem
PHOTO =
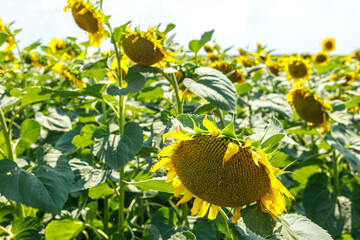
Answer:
(106, 215)
(336, 173)
(223, 214)
(175, 85)
(7, 136)
(222, 118)
(184, 209)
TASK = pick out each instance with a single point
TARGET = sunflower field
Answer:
(152, 140)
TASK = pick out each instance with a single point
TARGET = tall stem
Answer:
(336, 173)
(175, 85)
(221, 116)
(7, 137)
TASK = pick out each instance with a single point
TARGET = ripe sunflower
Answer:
(61, 49)
(274, 68)
(328, 45)
(309, 107)
(298, 69)
(236, 76)
(321, 59)
(219, 171)
(68, 75)
(10, 41)
(357, 54)
(89, 19)
(145, 48)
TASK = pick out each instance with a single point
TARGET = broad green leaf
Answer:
(45, 187)
(150, 93)
(31, 95)
(229, 130)
(349, 156)
(204, 230)
(243, 88)
(65, 229)
(165, 220)
(101, 190)
(85, 137)
(3, 38)
(86, 176)
(119, 32)
(27, 228)
(214, 87)
(324, 208)
(136, 79)
(157, 184)
(242, 233)
(56, 120)
(186, 121)
(257, 221)
(300, 227)
(32, 46)
(96, 65)
(196, 45)
(355, 208)
(151, 232)
(29, 133)
(115, 151)
(185, 235)
(64, 143)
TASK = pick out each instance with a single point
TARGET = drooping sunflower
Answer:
(328, 45)
(298, 69)
(145, 48)
(88, 18)
(274, 68)
(309, 107)
(321, 59)
(236, 76)
(68, 75)
(220, 171)
(61, 48)
(124, 65)
(357, 54)
(10, 41)
(208, 48)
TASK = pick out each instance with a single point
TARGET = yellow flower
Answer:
(10, 41)
(298, 69)
(57, 45)
(89, 19)
(328, 45)
(67, 74)
(274, 68)
(309, 107)
(208, 48)
(219, 171)
(357, 54)
(246, 61)
(225, 68)
(321, 59)
(145, 48)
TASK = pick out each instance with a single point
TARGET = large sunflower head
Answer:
(10, 41)
(145, 48)
(357, 54)
(328, 45)
(89, 19)
(220, 170)
(298, 69)
(309, 107)
(69, 75)
(274, 68)
(61, 48)
(235, 75)
(321, 59)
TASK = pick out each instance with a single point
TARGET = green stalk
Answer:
(7, 137)
(106, 215)
(22, 61)
(221, 115)
(336, 173)
(175, 85)
(184, 212)
(223, 214)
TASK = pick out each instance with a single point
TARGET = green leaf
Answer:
(151, 232)
(204, 230)
(27, 228)
(355, 208)
(242, 233)
(257, 221)
(229, 130)
(115, 150)
(64, 143)
(165, 220)
(32, 46)
(136, 78)
(69, 229)
(101, 190)
(45, 187)
(3, 38)
(119, 32)
(31, 95)
(214, 87)
(243, 88)
(300, 227)
(185, 235)
(56, 120)
(150, 93)
(100, 64)
(29, 133)
(85, 137)
(157, 184)
(323, 207)
(196, 45)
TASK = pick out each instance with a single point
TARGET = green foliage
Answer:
(3, 37)
(196, 45)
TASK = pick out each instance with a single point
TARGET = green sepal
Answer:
(229, 130)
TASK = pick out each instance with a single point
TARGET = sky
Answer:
(285, 26)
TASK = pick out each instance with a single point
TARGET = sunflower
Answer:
(89, 19)
(328, 45)
(59, 46)
(145, 48)
(321, 59)
(208, 48)
(357, 54)
(10, 41)
(68, 75)
(219, 171)
(309, 107)
(298, 69)
(124, 64)
(236, 76)
(274, 68)
(246, 61)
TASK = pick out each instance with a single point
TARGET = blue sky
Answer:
(286, 26)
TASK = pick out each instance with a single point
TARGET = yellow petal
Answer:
(177, 134)
(205, 206)
(166, 152)
(211, 127)
(213, 212)
(196, 206)
(236, 215)
(162, 163)
(247, 143)
(178, 187)
(171, 175)
(231, 150)
(188, 195)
